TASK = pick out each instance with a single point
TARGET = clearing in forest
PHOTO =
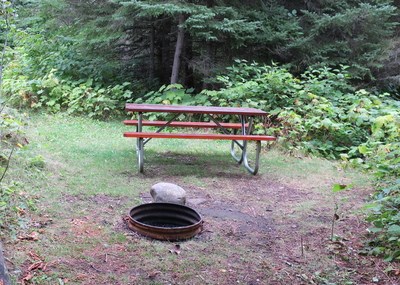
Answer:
(273, 228)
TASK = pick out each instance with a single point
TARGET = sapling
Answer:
(335, 189)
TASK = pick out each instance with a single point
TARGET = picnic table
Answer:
(239, 133)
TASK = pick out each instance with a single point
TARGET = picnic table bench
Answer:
(238, 133)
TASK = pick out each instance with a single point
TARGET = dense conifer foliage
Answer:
(149, 41)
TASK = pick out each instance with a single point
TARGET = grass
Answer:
(90, 181)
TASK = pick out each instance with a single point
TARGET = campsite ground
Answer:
(273, 228)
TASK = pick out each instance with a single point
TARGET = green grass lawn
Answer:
(253, 224)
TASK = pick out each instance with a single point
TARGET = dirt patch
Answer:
(293, 231)
(256, 231)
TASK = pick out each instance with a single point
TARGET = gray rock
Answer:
(168, 193)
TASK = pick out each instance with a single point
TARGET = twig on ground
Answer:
(302, 246)
(201, 277)
(98, 270)
(106, 256)
(8, 260)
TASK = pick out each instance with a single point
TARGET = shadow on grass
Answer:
(202, 165)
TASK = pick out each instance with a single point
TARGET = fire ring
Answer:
(165, 221)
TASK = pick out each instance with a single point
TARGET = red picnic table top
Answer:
(131, 107)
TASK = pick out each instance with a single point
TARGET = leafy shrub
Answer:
(37, 162)
(319, 112)
(24, 85)
(309, 112)
(14, 203)
(385, 218)
(55, 95)
(174, 94)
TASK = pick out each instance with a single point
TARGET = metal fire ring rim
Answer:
(166, 233)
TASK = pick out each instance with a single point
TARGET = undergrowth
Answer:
(15, 202)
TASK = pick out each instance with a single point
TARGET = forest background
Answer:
(326, 72)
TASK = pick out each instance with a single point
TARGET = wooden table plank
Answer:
(199, 136)
(131, 107)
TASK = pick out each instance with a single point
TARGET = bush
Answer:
(55, 95)
(319, 112)
(25, 86)
(14, 203)
(385, 219)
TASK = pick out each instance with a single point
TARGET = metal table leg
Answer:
(242, 146)
(244, 159)
(257, 159)
(239, 159)
(140, 144)
(235, 157)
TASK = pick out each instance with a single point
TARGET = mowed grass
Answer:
(90, 182)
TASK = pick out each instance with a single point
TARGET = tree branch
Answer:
(8, 164)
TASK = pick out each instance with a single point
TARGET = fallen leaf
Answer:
(176, 249)
(81, 276)
(37, 265)
(35, 256)
(34, 236)
(21, 211)
(153, 274)
(27, 277)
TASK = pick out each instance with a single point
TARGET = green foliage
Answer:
(319, 112)
(74, 97)
(32, 80)
(62, 43)
(215, 23)
(385, 217)
(173, 94)
(14, 205)
(304, 119)
(37, 162)
(351, 33)
(109, 42)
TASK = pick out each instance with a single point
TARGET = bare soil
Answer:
(257, 230)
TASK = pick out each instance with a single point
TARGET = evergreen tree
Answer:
(189, 41)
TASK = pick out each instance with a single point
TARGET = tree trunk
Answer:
(178, 50)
